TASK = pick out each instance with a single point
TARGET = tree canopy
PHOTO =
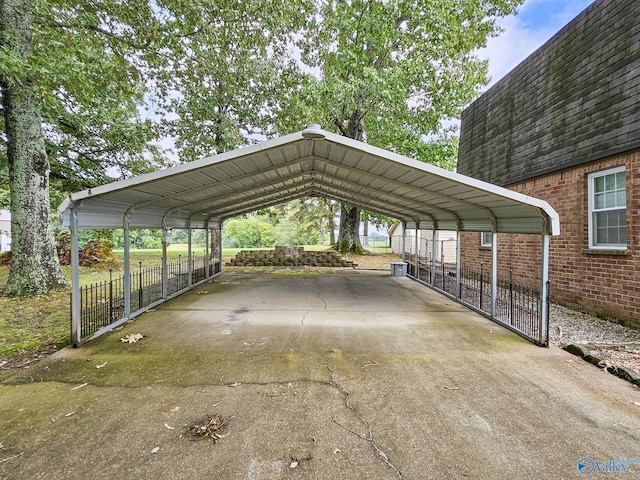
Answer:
(390, 73)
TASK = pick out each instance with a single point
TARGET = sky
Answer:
(536, 22)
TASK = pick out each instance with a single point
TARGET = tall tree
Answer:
(389, 72)
(28, 163)
(75, 76)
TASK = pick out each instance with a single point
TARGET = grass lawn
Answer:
(30, 326)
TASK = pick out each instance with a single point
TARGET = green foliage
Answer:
(249, 232)
(115, 77)
(391, 72)
(139, 238)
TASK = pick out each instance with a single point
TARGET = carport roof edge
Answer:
(312, 162)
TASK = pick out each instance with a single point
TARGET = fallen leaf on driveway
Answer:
(294, 464)
(637, 404)
(451, 388)
(155, 450)
(133, 338)
(174, 409)
(168, 427)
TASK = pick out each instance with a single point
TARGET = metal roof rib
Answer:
(307, 163)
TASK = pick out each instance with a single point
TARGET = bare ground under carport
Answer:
(345, 375)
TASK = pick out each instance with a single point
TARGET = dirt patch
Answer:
(377, 261)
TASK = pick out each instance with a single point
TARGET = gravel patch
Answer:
(616, 344)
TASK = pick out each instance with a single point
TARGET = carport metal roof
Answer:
(309, 163)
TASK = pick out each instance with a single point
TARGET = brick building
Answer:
(564, 126)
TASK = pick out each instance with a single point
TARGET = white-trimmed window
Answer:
(608, 209)
(486, 239)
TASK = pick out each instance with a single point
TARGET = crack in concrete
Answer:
(301, 331)
(369, 437)
(322, 300)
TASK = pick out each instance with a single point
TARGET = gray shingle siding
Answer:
(574, 100)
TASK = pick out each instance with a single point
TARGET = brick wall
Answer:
(605, 283)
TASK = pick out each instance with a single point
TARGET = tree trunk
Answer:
(348, 238)
(34, 264)
(365, 232)
(332, 225)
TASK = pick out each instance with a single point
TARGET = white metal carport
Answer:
(313, 162)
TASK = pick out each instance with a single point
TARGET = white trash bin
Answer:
(399, 269)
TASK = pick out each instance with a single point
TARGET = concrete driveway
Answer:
(345, 375)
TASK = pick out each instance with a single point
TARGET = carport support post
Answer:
(458, 268)
(404, 240)
(127, 271)
(205, 265)
(417, 252)
(494, 272)
(544, 293)
(434, 254)
(75, 282)
(165, 273)
(190, 259)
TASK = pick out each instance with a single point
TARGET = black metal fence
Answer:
(103, 303)
(517, 306)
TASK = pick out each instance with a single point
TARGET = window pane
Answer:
(621, 198)
(599, 201)
(610, 182)
(610, 199)
(620, 181)
(611, 228)
(599, 184)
